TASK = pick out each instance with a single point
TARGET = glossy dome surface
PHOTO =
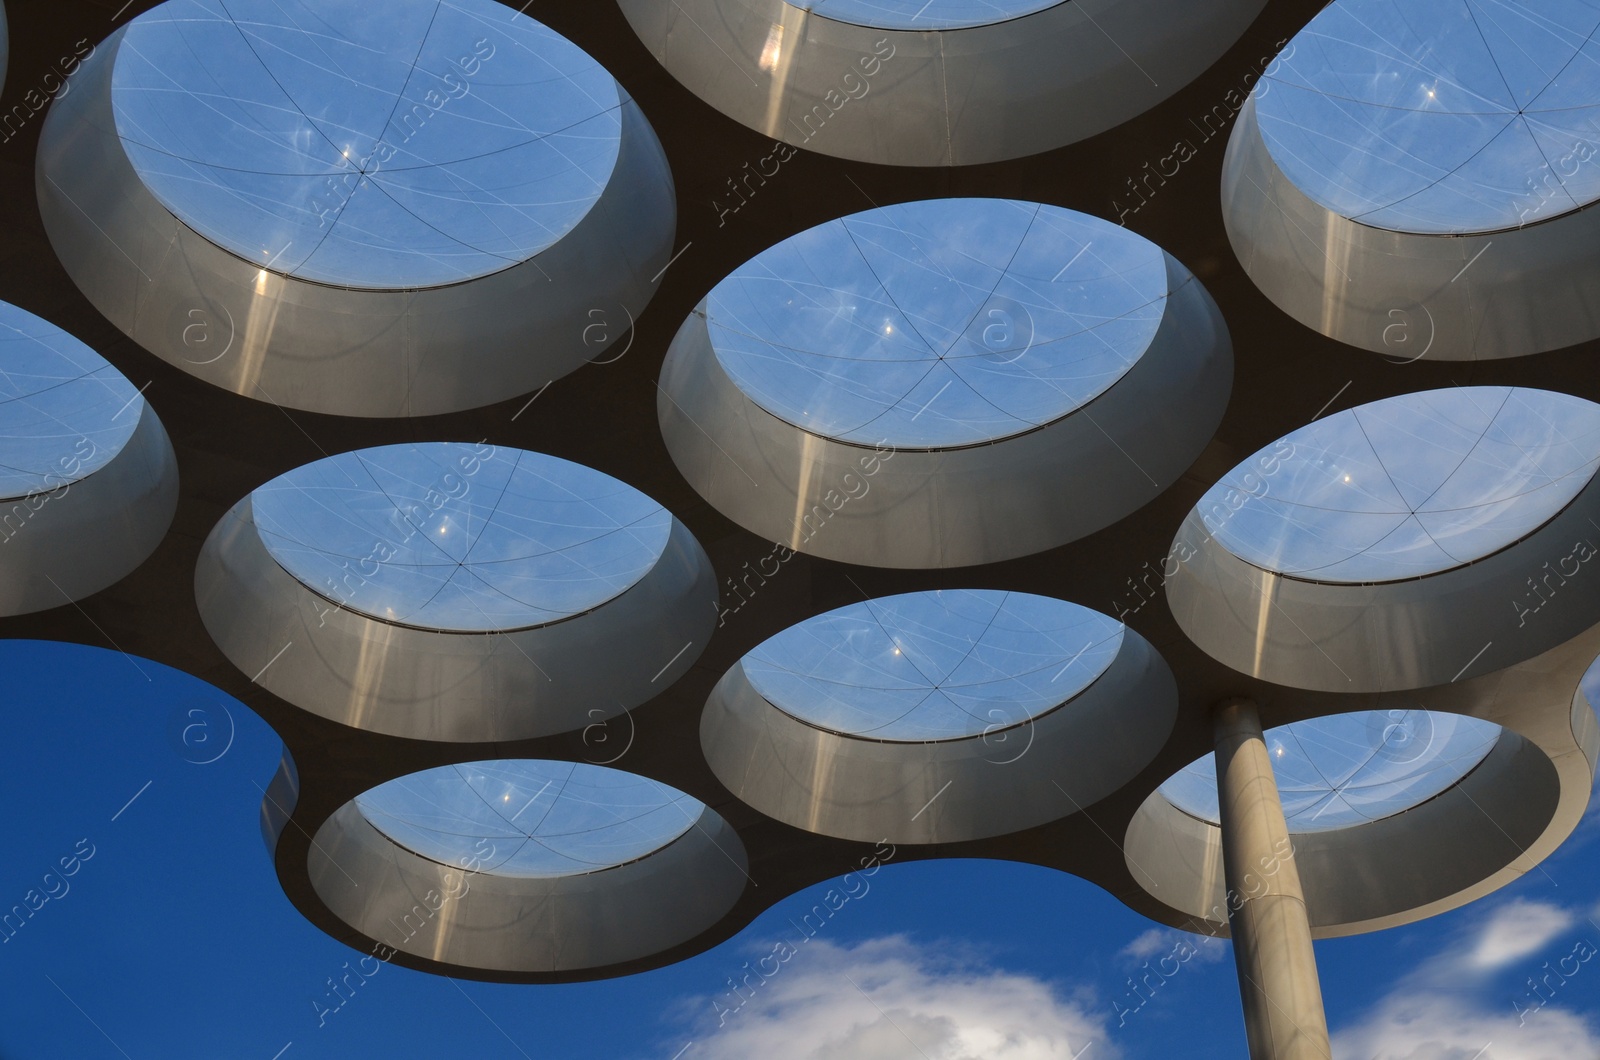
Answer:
(1440, 116)
(1348, 769)
(942, 665)
(1408, 486)
(406, 144)
(942, 322)
(64, 411)
(529, 818)
(460, 537)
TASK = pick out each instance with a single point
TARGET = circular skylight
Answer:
(529, 818)
(459, 537)
(938, 323)
(1436, 116)
(403, 144)
(1407, 486)
(940, 665)
(64, 411)
(923, 14)
(1348, 769)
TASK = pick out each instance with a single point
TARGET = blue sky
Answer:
(170, 937)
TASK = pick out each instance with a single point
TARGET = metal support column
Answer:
(1278, 984)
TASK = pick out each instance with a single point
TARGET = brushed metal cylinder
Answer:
(931, 97)
(333, 349)
(1410, 296)
(1504, 609)
(959, 506)
(944, 791)
(505, 923)
(64, 544)
(462, 687)
(1503, 818)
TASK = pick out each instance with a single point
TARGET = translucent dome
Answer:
(64, 411)
(923, 14)
(940, 665)
(529, 818)
(938, 323)
(1408, 486)
(1348, 769)
(1439, 116)
(459, 537)
(396, 145)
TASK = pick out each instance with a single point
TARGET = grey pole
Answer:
(1278, 984)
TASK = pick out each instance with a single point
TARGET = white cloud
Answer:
(1516, 930)
(863, 1002)
(1180, 946)
(1449, 1009)
(1434, 1026)
(1147, 945)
